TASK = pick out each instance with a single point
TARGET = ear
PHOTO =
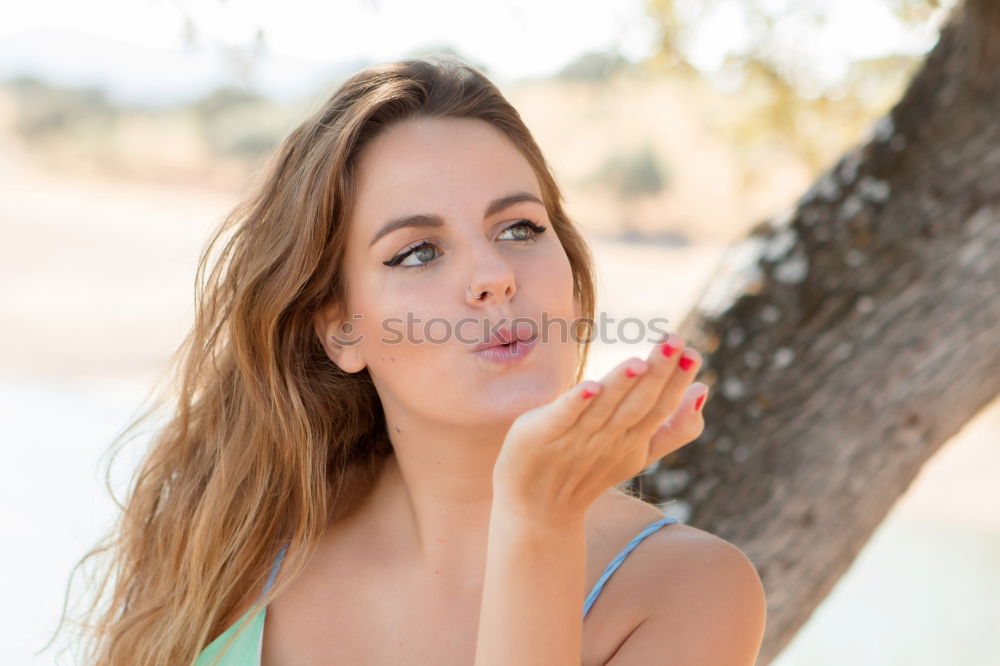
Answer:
(340, 337)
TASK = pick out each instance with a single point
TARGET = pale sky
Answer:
(515, 38)
(133, 47)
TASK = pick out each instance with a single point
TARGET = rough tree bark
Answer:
(853, 336)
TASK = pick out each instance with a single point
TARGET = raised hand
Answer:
(559, 457)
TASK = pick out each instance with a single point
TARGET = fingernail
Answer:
(629, 372)
(686, 362)
(700, 401)
(586, 394)
(667, 349)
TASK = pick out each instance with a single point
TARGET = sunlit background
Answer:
(129, 128)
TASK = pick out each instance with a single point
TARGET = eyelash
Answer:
(536, 228)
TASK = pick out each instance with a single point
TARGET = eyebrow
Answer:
(431, 220)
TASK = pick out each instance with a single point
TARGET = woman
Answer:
(345, 457)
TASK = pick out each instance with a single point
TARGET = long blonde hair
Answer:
(267, 440)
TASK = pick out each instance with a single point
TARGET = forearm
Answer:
(532, 605)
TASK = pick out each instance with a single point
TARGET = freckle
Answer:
(398, 430)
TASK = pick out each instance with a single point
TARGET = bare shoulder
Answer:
(674, 547)
(696, 587)
(684, 559)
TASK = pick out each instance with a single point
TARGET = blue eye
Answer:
(518, 232)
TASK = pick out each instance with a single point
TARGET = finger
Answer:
(615, 386)
(672, 392)
(682, 427)
(565, 411)
(663, 365)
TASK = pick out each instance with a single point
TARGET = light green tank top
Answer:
(246, 649)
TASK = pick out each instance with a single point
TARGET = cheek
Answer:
(404, 367)
(430, 378)
(406, 347)
(552, 286)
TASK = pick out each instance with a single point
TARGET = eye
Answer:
(421, 250)
(415, 251)
(520, 235)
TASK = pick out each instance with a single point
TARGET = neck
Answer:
(433, 503)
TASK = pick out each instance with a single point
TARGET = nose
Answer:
(492, 282)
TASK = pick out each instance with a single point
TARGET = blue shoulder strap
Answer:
(274, 569)
(616, 562)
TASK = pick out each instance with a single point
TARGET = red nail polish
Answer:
(629, 372)
(667, 349)
(686, 362)
(586, 394)
(700, 401)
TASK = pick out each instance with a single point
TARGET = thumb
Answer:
(683, 426)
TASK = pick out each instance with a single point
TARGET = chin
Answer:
(512, 395)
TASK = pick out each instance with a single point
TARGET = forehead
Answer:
(449, 166)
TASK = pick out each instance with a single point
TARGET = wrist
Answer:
(535, 519)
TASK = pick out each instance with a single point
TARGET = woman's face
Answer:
(423, 367)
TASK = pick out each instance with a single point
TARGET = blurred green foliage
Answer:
(632, 174)
(45, 109)
(595, 66)
(79, 128)
(773, 70)
(238, 123)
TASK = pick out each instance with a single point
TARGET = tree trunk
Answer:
(847, 341)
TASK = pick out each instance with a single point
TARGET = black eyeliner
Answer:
(538, 229)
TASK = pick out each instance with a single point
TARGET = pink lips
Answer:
(507, 354)
(507, 345)
(504, 335)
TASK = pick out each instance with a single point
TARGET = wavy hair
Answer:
(267, 440)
